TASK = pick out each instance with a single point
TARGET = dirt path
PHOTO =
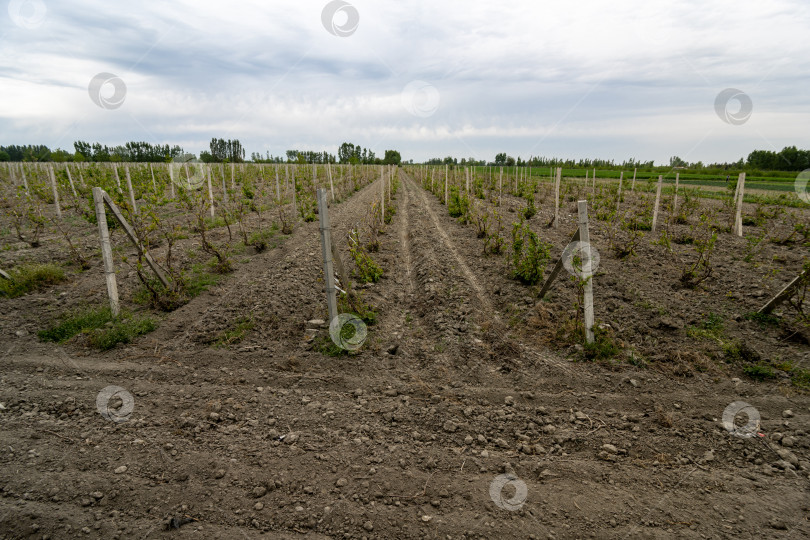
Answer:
(272, 438)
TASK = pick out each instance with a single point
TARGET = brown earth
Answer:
(462, 379)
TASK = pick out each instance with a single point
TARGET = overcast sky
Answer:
(577, 79)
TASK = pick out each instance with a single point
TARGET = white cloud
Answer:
(586, 79)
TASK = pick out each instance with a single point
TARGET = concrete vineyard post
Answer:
(331, 185)
(594, 178)
(587, 269)
(154, 184)
(117, 178)
(738, 224)
(557, 198)
(224, 186)
(586, 177)
(736, 192)
(326, 249)
(294, 190)
(55, 192)
(657, 202)
(467, 175)
(675, 200)
(278, 191)
(70, 179)
(106, 251)
(130, 232)
(633, 185)
(619, 197)
(500, 185)
(382, 197)
(233, 182)
(446, 186)
(131, 191)
(171, 177)
(210, 191)
(11, 174)
(25, 180)
(188, 177)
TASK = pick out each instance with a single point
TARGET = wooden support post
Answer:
(382, 195)
(559, 265)
(446, 185)
(619, 197)
(210, 191)
(70, 179)
(55, 192)
(594, 178)
(467, 175)
(130, 232)
(278, 191)
(633, 185)
(557, 198)
(786, 293)
(106, 251)
(657, 202)
(740, 196)
(233, 181)
(326, 249)
(131, 192)
(337, 263)
(675, 200)
(587, 269)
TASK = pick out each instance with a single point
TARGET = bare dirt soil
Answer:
(461, 381)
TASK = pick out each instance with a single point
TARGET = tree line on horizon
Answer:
(220, 150)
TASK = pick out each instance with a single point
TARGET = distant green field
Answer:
(772, 180)
(782, 183)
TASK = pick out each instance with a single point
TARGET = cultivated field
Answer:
(247, 420)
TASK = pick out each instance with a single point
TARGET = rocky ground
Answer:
(461, 417)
